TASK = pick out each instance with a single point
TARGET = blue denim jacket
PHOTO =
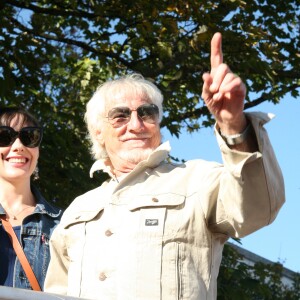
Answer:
(36, 230)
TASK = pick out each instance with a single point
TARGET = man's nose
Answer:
(135, 121)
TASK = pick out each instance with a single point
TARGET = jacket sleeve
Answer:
(251, 187)
(57, 274)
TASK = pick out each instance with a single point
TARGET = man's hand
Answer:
(224, 92)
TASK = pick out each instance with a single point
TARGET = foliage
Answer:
(239, 281)
(55, 53)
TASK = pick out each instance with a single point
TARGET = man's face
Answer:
(131, 142)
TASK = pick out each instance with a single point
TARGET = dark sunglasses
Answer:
(120, 116)
(30, 137)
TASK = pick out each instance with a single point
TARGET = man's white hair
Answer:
(132, 84)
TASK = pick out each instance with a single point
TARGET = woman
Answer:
(31, 216)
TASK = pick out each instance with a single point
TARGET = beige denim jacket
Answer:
(159, 232)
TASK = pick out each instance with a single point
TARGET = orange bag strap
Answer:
(21, 255)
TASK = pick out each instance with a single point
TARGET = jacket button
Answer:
(108, 232)
(154, 200)
(102, 276)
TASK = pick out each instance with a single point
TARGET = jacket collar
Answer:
(42, 206)
(154, 159)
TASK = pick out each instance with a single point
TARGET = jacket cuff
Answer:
(235, 160)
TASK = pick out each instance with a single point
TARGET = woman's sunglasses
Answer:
(120, 116)
(30, 137)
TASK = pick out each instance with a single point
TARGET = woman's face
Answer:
(17, 162)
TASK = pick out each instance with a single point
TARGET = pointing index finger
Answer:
(216, 53)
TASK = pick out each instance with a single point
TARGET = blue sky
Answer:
(280, 241)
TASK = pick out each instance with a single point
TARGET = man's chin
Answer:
(135, 155)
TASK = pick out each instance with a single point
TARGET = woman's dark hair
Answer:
(7, 114)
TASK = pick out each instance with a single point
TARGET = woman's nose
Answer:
(17, 145)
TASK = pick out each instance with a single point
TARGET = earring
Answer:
(36, 173)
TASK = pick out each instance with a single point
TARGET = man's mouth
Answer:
(135, 138)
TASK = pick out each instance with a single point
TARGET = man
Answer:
(156, 230)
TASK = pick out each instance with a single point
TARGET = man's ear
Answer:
(99, 137)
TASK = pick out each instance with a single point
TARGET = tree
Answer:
(55, 53)
(240, 281)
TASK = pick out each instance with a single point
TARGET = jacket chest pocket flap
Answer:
(156, 200)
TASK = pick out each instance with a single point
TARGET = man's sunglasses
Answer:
(29, 136)
(120, 116)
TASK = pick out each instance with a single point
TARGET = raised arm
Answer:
(224, 93)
